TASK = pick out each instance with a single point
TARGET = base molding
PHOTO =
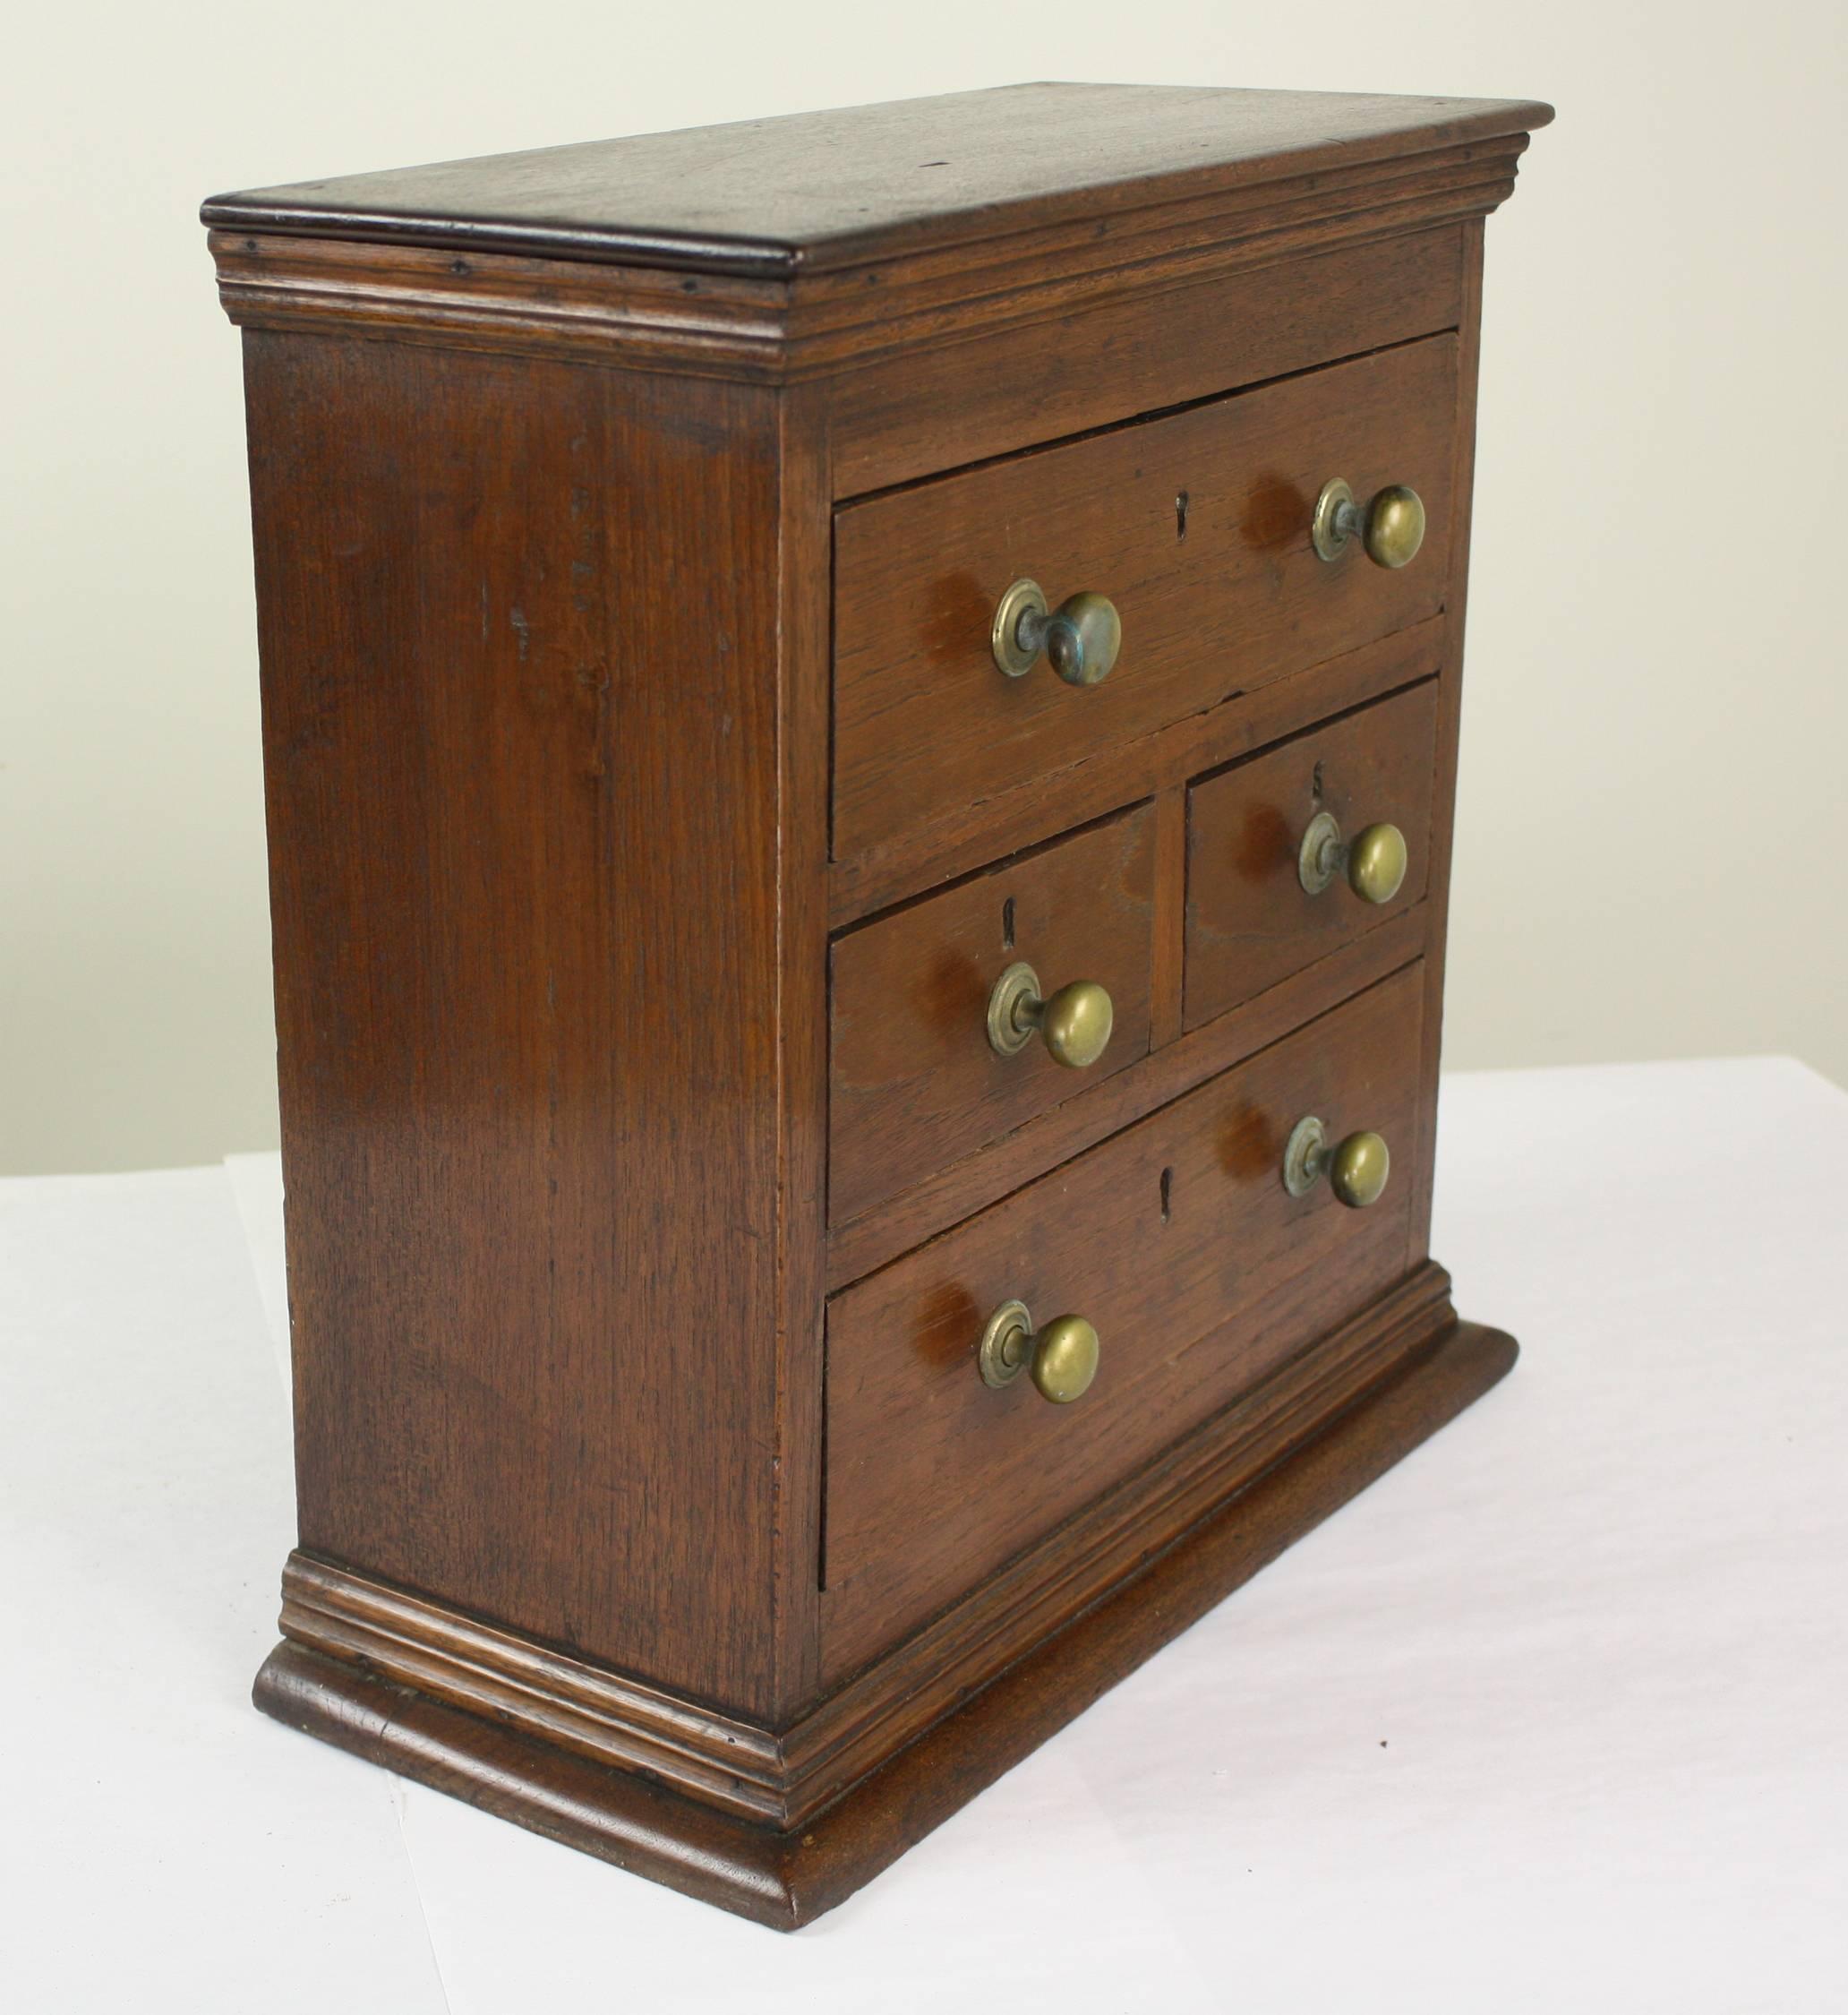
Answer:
(606, 1804)
(784, 1774)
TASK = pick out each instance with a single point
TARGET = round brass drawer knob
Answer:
(1080, 638)
(1375, 860)
(1356, 1167)
(1062, 1359)
(1074, 1023)
(1390, 526)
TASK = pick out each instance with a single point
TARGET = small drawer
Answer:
(1178, 1241)
(1198, 528)
(915, 1079)
(1291, 853)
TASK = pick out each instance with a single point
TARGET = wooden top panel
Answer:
(821, 190)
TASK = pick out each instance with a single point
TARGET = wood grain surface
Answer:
(647, 825)
(1157, 334)
(947, 370)
(1449, 712)
(915, 1083)
(510, 789)
(1217, 594)
(959, 1189)
(1040, 807)
(1177, 1240)
(787, 1878)
(1250, 922)
(820, 190)
(786, 1772)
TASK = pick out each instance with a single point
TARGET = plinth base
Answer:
(787, 1878)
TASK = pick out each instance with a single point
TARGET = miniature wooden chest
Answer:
(860, 724)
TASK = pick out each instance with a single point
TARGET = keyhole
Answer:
(1315, 785)
(1180, 516)
(1008, 924)
(1166, 1194)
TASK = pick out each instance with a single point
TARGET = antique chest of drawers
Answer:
(861, 718)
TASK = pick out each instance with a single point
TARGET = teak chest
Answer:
(860, 719)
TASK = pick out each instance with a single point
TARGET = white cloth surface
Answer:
(158, 1848)
(1551, 1717)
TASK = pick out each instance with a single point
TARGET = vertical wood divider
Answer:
(1169, 937)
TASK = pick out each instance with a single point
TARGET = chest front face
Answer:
(860, 802)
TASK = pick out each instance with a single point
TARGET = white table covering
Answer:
(1554, 1717)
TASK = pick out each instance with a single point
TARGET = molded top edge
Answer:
(814, 191)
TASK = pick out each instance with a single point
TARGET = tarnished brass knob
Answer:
(1356, 1167)
(1062, 1359)
(1390, 526)
(1374, 860)
(1074, 1023)
(1080, 638)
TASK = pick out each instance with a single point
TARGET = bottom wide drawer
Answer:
(1183, 1247)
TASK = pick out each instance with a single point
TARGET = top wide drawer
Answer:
(1196, 527)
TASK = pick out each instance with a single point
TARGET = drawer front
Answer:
(1178, 1240)
(915, 1082)
(1196, 527)
(1251, 918)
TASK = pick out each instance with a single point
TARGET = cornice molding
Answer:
(809, 324)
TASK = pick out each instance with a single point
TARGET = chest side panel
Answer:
(510, 789)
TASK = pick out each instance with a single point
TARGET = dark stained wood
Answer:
(1250, 313)
(1167, 962)
(996, 362)
(924, 722)
(1044, 806)
(1003, 1617)
(530, 308)
(1250, 922)
(514, 780)
(627, 523)
(1177, 1240)
(822, 190)
(1449, 722)
(725, 1761)
(915, 1082)
(786, 1880)
(784, 1776)
(804, 702)
(959, 1189)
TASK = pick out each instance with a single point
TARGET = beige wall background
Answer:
(1650, 853)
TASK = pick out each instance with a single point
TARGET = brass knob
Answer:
(1375, 860)
(1062, 1359)
(1075, 1023)
(1357, 1167)
(1390, 526)
(1080, 638)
